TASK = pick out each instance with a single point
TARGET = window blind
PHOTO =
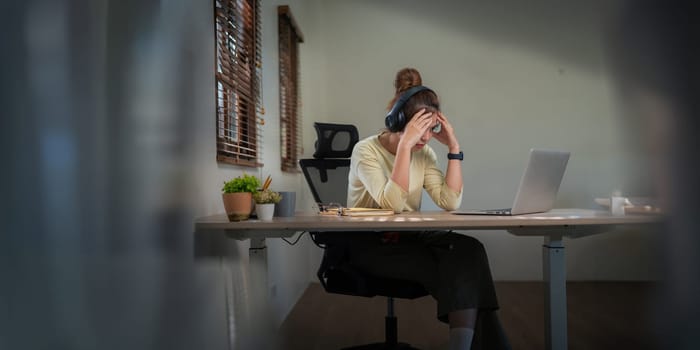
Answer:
(238, 77)
(290, 97)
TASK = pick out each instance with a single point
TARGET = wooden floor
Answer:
(601, 315)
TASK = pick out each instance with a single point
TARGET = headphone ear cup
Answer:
(395, 121)
(400, 121)
(389, 122)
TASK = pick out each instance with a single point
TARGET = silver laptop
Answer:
(538, 186)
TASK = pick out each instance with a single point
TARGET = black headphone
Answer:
(396, 120)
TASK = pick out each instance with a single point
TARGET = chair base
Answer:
(382, 346)
(390, 333)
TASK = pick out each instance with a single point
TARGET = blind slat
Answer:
(237, 32)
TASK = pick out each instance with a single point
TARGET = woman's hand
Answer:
(446, 136)
(415, 128)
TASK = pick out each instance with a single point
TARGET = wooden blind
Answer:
(290, 98)
(238, 77)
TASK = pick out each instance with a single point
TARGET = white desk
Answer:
(552, 226)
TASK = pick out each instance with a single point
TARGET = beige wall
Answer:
(511, 75)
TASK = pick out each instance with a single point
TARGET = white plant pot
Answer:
(265, 211)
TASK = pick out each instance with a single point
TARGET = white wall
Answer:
(511, 75)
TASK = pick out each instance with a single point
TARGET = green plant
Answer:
(267, 196)
(243, 183)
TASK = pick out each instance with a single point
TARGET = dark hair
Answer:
(405, 79)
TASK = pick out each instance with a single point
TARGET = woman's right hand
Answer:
(414, 130)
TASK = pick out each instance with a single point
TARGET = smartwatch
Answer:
(458, 156)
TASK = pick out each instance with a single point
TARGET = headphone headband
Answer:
(395, 120)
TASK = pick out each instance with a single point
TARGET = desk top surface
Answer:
(435, 220)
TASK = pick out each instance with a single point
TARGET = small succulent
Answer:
(267, 196)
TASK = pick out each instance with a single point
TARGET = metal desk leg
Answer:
(554, 275)
(260, 321)
(258, 268)
(247, 310)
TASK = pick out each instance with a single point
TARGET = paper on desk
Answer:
(358, 212)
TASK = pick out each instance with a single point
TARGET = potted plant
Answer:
(265, 201)
(237, 195)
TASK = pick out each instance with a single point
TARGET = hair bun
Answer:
(406, 79)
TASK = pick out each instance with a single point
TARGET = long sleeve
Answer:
(385, 192)
(434, 183)
(373, 176)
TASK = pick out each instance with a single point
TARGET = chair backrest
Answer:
(327, 173)
(327, 179)
(335, 140)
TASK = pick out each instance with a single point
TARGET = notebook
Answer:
(538, 186)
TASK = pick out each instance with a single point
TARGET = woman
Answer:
(390, 170)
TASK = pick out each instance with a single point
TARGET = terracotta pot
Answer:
(238, 205)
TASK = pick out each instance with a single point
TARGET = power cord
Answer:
(297, 240)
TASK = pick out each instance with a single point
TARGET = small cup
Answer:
(617, 205)
(287, 206)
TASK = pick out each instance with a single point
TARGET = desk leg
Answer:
(260, 320)
(258, 267)
(247, 311)
(554, 275)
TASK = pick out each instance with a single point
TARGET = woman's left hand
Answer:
(446, 136)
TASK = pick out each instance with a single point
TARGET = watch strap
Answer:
(458, 156)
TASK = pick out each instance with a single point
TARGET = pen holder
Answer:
(287, 205)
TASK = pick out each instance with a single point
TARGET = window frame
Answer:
(289, 37)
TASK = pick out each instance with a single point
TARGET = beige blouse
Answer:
(370, 184)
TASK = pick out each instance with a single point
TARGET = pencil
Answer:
(267, 182)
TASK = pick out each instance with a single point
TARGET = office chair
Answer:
(327, 177)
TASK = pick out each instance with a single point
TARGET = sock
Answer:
(460, 338)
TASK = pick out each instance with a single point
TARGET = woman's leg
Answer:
(466, 295)
(462, 323)
(463, 318)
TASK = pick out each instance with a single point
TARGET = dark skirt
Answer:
(452, 267)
